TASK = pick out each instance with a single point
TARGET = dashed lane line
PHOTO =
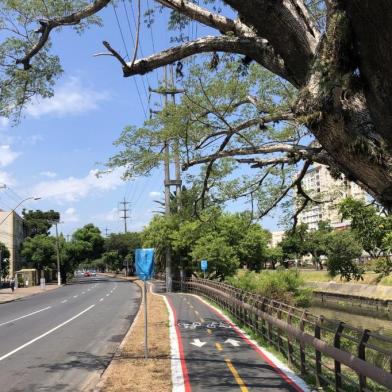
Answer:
(26, 315)
(45, 334)
(64, 301)
(237, 377)
(101, 299)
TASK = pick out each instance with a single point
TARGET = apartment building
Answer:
(320, 185)
(276, 238)
(12, 234)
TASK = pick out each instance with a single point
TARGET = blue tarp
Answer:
(144, 263)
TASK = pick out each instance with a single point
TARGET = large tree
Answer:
(39, 222)
(335, 53)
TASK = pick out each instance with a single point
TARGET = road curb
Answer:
(180, 381)
(28, 296)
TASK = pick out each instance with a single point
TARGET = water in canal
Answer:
(376, 322)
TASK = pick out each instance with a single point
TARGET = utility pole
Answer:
(169, 90)
(176, 149)
(106, 231)
(125, 215)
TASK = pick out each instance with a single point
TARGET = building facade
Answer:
(12, 234)
(276, 238)
(320, 185)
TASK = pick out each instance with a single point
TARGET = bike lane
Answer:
(216, 356)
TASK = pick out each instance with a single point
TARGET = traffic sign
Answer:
(204, 265)
(144, 263)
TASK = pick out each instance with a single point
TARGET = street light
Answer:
(27, 198)
(57, 253)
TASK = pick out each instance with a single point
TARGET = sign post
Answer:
(144, 266)
(204, 266)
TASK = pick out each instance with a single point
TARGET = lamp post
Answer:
(55, 223)
(13, 210)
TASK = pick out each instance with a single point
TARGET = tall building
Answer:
(12, 234)
(276, 238)
(320, 185)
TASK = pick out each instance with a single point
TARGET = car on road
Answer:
(87, 274)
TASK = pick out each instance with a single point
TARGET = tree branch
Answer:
(208, 18)
(256, 48)
(48, 25)
(266, 149)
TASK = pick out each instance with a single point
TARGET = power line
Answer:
(126, 51)
(134, 43)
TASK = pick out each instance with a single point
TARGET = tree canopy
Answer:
(333, 54)
(39, 222)
(4, 260)
(370, 226)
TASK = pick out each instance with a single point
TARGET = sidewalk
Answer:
(7, 296)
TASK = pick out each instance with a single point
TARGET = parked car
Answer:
(87, 274)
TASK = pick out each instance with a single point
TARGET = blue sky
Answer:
(54, 152)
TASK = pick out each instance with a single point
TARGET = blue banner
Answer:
(144, 263)
(204, 265)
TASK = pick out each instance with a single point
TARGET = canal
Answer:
(365, 319)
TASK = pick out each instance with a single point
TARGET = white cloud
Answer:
(70, 99)
(109, 216)
(48, 174)
(5, 178)
(155, 194)
(7, 156)
(72, 189)
(70, 215)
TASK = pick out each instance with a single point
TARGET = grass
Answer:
(129, 371)
(322, 276)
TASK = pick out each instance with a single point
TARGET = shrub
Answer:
(281, 285)
(383, 265)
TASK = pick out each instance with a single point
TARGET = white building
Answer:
(276, 238)
(12, 234)
(320, 185)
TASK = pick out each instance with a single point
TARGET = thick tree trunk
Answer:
(371, 22)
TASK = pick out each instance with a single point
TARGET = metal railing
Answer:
(335, 355)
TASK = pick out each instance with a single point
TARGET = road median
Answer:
(129, 371)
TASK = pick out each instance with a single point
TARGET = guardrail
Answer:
(339, 357)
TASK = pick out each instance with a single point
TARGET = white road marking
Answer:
(65, 301)
(45, 334)
(75, 296)
(83, 292)
(101, 300)
(232, 342)
(198, 343)
(107, 295)
(26, 315)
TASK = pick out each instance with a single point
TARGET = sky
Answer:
(61, 143)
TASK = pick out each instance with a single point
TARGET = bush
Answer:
(383, 265)
(281, 285)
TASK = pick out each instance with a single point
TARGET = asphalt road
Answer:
(217, 357)
(62, 340)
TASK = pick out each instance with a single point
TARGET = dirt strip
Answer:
(129, 371)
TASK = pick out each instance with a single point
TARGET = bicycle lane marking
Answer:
(282, 370)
